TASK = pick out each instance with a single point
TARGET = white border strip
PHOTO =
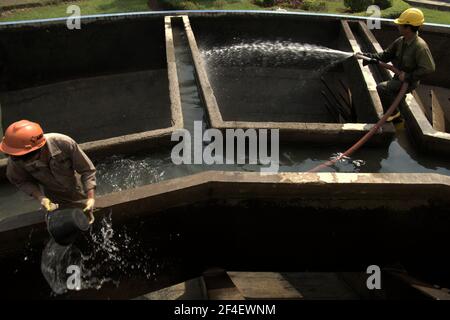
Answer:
(172, 12)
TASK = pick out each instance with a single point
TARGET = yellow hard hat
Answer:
(412, 16)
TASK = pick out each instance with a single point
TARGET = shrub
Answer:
(295, 4)
(358, 5)
(314, 5)
(265, 3)
(187, 5)
(178, 5)
(220, 3)
(384, 4)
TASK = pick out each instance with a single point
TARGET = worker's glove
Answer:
(89, 209)
(371, 61)
(48, 205)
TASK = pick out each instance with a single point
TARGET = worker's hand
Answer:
(370, 61)
(359, 55)
(402, 76)
(89, 209)
(48, 205)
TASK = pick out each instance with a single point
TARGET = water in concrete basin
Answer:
(257, 80)
(123, 172)
(119, 173)
(110, 256)
(190, 99)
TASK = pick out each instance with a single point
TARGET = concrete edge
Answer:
(206, 90)
(369, 81)
(312, 132)
(345, 133)
(140, 140)
(324, 188)
(125, 15)
(174, 87)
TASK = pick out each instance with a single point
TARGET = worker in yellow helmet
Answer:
(410, 54)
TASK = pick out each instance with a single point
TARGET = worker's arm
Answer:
(84, 166)
(387, 55)
(425, 66)
(81, 164)
(23, 180)
(26, 183)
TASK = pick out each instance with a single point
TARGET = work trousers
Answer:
(388, 91)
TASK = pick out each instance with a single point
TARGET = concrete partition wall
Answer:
(438, 38)
(323, 219)
(112, 86)
(241, 96)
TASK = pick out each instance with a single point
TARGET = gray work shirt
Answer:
(63, 170)
(413, 57)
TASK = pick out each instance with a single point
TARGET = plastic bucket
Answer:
(66, 224)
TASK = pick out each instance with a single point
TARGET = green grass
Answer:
(434, 16)
(211, 4)
(87, 7)
(114, 6)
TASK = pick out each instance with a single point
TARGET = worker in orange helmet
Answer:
(49, 167)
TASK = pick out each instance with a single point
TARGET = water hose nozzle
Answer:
(367, 60)
(370, 61)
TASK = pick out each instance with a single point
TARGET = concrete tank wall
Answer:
(263, 87)
(35, 54)
(367, 107)
(111, 86)
(105, 80)
(287, 221)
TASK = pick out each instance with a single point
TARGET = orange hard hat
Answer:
(22, 137)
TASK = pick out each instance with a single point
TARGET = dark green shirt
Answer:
(413, 57)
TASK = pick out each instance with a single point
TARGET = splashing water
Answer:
(54, 263)
(111, 255)
(118, 253)
(357, 164)
(28, 248)
(119, 173)
(273, 54)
